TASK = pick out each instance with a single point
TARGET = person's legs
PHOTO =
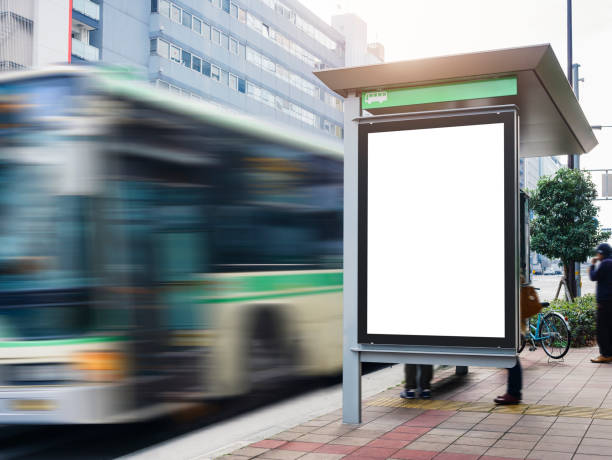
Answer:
(515, 380)
(409, 392)
(604, 332)
(426, 376)
(410, 371)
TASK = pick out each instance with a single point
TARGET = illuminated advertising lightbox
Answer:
(437, 239)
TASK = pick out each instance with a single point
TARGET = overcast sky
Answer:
(412, 29)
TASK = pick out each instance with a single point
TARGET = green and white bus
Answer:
(156, 250)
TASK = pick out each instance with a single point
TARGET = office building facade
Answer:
(255, 56)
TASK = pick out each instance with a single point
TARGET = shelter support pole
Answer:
(351, 362)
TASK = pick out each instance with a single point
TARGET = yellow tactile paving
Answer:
(527, 409)
(478, 407)
(512, 409)
(569, 411)
(543, 409)
(603, 413)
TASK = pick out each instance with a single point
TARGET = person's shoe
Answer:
(506, 399)
(602, 359)
(426, 394)
(408, 394)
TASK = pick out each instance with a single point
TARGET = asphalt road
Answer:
(548, 285)
(112, 441)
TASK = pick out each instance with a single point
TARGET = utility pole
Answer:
(573, 271)
(576, 83)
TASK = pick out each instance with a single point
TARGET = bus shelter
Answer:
(433, 149)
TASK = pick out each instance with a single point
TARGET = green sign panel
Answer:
(497, 87)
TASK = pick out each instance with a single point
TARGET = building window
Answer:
(282, 73)
(164, 7)
(197, 25)
(253, 57)
(224, 41)
(216, 36)
(241, 50)
(242, 85)
(233, 82)
(233, 10)
(215, 73)
(186, 19)
(153, 47)
(217, 3)
(223, 78)
(163, 48)
(268, 65)
(186, 59)
(206, 31)
(154, 6)
(205, 68)
(242, 15)
(253, 90)
(226, 5)
(233, 46)
(196, 63)
(175, 13)
(175, 54)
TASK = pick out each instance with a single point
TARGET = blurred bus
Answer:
(156, 250)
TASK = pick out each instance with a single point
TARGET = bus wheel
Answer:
(269, 357)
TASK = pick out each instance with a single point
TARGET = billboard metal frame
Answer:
(507, 117)
(464, 352)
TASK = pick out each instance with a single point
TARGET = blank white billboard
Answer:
(435, 232)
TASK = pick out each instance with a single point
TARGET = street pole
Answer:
(571, 270)
(576, 83)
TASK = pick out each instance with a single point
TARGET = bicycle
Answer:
(551, 330)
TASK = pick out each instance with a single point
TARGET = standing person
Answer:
(529, 305)
(410, 386)
(603, 275)
(515, 385)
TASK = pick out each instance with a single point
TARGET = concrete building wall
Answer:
(51, 32)
(125, 32)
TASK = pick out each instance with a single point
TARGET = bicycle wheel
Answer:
(555, 334)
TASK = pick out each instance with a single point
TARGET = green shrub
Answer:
(581, 316)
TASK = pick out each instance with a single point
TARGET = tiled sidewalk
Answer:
(475, 429)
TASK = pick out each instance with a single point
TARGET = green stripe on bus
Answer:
(54, 342)
(287, 281)
(269, 296)
(446, 92)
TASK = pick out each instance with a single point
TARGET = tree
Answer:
(565, 225)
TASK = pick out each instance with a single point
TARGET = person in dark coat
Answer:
(602, 273)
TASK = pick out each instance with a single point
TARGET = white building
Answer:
(34, 33)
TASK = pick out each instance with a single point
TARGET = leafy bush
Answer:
(581, 316)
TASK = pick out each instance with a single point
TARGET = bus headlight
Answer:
(101, 366)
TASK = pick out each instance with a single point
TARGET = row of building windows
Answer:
(180, 56)
(301, 23)
(200, 27)
(167, 8)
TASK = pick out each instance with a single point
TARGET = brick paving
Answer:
(567, 414)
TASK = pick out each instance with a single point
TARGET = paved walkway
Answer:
(567, 414)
